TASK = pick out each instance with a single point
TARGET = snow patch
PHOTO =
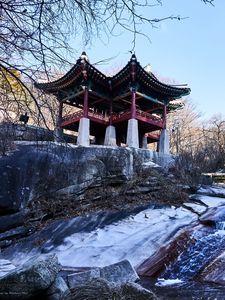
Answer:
(150, 164)
(166, 282)
(134, 238)
(212, 190)
(211, 201)
(5, 267)
(196, 207)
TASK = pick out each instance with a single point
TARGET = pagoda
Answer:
(126, 108)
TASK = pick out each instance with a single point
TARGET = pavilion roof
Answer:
(83, 68)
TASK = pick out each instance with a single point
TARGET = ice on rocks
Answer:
(167, 282)
(134, 238)
(212, 190)
(5, 267)
(196, 207)
(210, 201)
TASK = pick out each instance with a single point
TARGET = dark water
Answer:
(188, 266)
(190, 263)
(186, 290)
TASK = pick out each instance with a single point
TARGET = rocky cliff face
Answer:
(95, 206)
(35, 170)
(44, 181)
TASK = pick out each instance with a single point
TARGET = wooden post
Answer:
(85, 107)
(110, 113)
(133, 104)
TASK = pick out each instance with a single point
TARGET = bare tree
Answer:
(208, 154)
(184, 128)
(214, 142)
(35, 35)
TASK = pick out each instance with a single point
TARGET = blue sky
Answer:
(189, 51)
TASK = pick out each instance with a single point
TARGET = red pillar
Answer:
(110, 113)
(133, 105)
(85, 107)
(164, 116)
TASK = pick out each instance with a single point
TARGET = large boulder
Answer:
(58, 290)
(213, 216)
(82, 277)
(119, 273)
(97, 288)
(37, 169)
(135, 291)
(101, 289)
(30, 279)
(13, 220)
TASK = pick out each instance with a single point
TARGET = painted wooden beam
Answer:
(153, 109)
(97, 101)
(119, 97)
(150, 98)
(80, 93)
(99, 95)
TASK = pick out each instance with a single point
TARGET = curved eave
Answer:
(64, 81)
(149, 80)
(71, 76)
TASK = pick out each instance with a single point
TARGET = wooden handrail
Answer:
(115, 116)
(79, 114)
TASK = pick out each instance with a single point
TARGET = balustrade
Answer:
(124, 115)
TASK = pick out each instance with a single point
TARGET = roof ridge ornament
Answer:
(84, 57)
(148, 68)
(133, 57)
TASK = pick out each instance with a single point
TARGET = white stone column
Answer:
(110, 136)
(132, 133)
(164, 142)
(83, 132)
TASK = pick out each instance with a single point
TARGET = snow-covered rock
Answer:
(101, 289)
(58, 290)
(212, 191)
(210, 201)
(34, 276)
(5, 267)
(167, 282)
(134, 238)
(118, 273)
(213, 215)
(198, 208)
(82, 277)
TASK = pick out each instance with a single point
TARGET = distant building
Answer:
(125, 108)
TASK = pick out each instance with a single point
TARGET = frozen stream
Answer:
(102, 238)
(134, 238)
